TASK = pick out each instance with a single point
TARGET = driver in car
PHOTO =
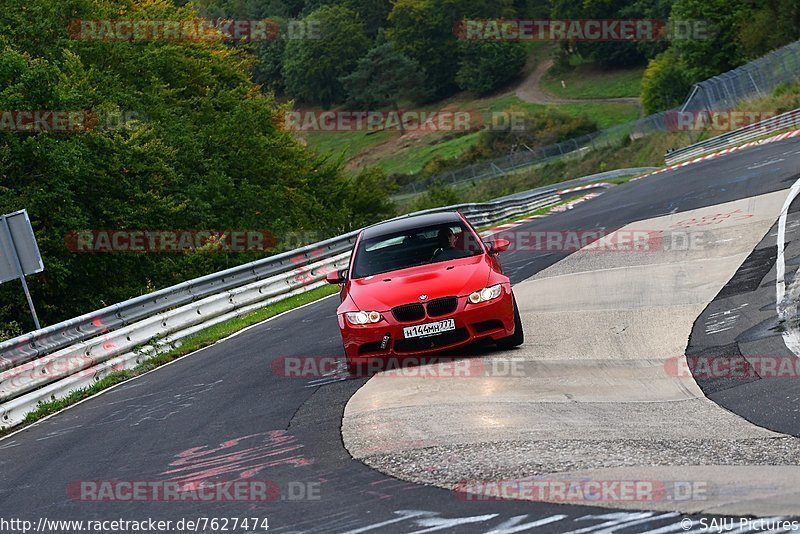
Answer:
(447, 246)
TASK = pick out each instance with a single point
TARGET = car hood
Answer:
(452, 278)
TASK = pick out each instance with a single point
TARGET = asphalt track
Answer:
(742, 325)
(594, 394)
(222, 414)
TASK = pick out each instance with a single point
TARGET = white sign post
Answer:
(19, 253)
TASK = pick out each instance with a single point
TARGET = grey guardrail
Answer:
(49, 363)
(33, 345)
(784, 121)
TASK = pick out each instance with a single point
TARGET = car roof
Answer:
(409, 222)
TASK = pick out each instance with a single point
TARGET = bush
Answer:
(665, 83)
(437, 195)
(10, 330)
(537, 128)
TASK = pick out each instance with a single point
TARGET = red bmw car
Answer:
(422, 284)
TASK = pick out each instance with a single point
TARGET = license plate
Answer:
(429, 329)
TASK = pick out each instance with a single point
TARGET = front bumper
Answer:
(487, 320)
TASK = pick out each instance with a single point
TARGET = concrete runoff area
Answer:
(596, 392)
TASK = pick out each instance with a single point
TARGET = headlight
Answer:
(487, 293)
(363, 317)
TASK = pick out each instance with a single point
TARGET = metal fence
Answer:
(757, 78)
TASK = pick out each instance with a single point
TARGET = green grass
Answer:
(409, 154)
(412, 161)
(351, 143)
(605, 114)
(587, 81)
(190, 344)
(412, 158)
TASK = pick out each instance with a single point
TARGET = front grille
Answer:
(442, 306)
(433, 342)
(408, 312)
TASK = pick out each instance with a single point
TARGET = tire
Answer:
(353, 369)
(518, 337)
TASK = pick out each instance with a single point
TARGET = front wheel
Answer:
(518, 337)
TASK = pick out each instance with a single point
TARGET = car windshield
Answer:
(414, 247)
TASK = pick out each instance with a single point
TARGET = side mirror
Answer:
(499, 245)
(335, 277)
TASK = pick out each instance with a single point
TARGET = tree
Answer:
(208, 152)
(606, 53)
(488, 65)
(384, 77)
(368, 198)
(536, 9)
(268, 67)
(312, 67)
(373, 13)
(658, 10)
(716, 50)
(769, 24)
(424, 30)
(665, 83)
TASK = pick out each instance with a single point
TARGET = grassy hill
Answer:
(410, 152)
